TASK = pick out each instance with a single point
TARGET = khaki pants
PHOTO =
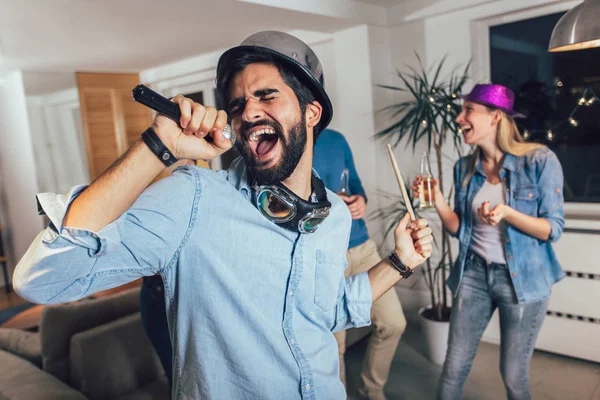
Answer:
(388, 324)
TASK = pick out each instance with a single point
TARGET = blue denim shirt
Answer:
(251, 306)
(534, 185)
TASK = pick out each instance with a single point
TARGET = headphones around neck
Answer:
(283, 207)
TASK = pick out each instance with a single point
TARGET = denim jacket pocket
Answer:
(328, 273)
(526, 199)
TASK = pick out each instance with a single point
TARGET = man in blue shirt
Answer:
(332, 157)
(253, 290)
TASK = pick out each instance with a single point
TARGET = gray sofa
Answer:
(90, 349)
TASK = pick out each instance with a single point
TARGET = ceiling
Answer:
(63, 36)
(384, 3)
(130, 35)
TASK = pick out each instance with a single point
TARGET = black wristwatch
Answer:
(397, 263)
(158, 147)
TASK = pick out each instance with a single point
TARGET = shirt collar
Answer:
(510, 163)
(237, 175)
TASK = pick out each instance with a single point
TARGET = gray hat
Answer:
(294, 53)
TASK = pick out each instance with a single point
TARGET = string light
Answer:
(453, 95)
(559, 84)
(587, 99)
(433, 91)
(424, 124)
(449, 106)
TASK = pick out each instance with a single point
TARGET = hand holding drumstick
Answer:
(414, 241)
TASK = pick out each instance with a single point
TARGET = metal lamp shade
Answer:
(578, 29)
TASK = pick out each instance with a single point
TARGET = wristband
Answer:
(402, 268)
(158, 147)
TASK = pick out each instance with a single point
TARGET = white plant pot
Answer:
(436, 338)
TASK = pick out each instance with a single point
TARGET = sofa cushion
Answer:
(113, 359)
(23, 344)
(157, 390)
(20, 379)
(60, 322)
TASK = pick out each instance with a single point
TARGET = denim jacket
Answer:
(533, 185)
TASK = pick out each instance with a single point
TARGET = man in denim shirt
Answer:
(251, 304)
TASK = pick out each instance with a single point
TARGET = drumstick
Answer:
(401, 184)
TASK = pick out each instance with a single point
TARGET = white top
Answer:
(487, 240)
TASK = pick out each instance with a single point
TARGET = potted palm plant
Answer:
(428, 115)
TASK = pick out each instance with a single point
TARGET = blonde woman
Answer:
(508, 207)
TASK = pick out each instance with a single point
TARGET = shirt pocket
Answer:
(526, 199)
(328, 273)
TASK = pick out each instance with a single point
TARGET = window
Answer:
(559, 94)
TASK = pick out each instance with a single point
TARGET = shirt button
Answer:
(530, 195)
(507, 240)
(557, 190)
(307, 386)
(510, 257)
(514, 274)
(292, 341)
(507, 189)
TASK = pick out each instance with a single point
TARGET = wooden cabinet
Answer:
(112, 121)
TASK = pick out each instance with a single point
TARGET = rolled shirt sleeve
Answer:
(551, 201)
(65, 263)
(353, 308)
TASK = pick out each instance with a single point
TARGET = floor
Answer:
(413, 377)
(9, 300)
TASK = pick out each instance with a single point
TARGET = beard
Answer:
(292, 149)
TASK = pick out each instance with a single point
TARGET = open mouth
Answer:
(263, 142)
(465, 129)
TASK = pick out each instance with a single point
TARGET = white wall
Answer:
(58, 142)
(354, 106)
(18, 169)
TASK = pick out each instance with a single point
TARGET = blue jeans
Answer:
(484, 288)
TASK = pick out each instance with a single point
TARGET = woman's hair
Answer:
(508, 139)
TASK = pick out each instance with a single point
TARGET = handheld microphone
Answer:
(148, 97)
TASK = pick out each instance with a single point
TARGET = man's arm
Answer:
(414, 244)
(99, 238)
(357, 201)
(357, 293)
(117, 188)
(64, 264)
(354, 180)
